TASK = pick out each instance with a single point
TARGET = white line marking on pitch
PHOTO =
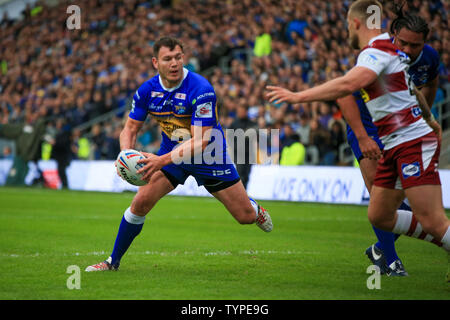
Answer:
(166, 253)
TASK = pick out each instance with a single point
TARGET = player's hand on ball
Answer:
(152, 163)
(278, 95)
(117, 169)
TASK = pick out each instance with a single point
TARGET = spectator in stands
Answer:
(62, 150)
(112, 145)
(320, 137)
(337, 138)
(45, 66)
(7, 153)
(292, 151)
(98, 141)
(80, 146)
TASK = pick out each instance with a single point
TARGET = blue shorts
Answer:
(372, 131)
(214, 177)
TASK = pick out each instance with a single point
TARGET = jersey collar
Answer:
(185, 73)
(417, 60)
(383, 36)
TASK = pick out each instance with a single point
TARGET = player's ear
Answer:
(356, 22)
(155, 63)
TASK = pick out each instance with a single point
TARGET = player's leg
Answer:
(244, 209)
(416, 164)
(134, 217)
(383, 204)
(429, 221)
(382, 253)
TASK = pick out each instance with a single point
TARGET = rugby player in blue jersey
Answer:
(184, 105)
(410, 33)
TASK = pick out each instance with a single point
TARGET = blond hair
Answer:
(360, 8)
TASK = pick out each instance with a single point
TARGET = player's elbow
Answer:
(357, 78)
(349, 86)
(204, 144)
(344, 86)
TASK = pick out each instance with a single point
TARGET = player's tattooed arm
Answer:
(426, 113)
(429, 90)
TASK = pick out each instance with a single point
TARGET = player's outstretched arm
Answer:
(355, 79)
(350, 111)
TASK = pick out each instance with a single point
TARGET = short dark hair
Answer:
(168, 42)
(411, 22)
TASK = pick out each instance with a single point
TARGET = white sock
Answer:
(446, 240)
(408, 225)
(132, 218)
(403, 223)
(255, 206)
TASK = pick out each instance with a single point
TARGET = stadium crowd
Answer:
(79, 75)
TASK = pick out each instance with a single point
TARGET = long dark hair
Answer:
(411, 22)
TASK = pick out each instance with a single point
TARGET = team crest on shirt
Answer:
(416, 111)
(180, 109)
(410, 169)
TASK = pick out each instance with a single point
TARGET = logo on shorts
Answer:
(410, 170)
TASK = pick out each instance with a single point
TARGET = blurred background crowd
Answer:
(83, 80)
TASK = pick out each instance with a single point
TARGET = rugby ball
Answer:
(127, 166)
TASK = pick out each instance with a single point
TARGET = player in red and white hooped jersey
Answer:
(389, 99)
(410, 133)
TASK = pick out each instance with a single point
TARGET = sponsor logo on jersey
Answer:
(423, 68)
(204, 110)
(181, 96)
(371, 59)
(221, 172)
(410, 170)
(156, 94)
(168, 102)
(204, 95)
(155, 107)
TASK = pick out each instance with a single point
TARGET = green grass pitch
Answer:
(191, 248)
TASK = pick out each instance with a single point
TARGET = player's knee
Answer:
(431, 226)
(140, 208)
(377, 220)
(246, 216)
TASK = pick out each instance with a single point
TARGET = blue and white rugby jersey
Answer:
(425, 68)
(192, 102)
